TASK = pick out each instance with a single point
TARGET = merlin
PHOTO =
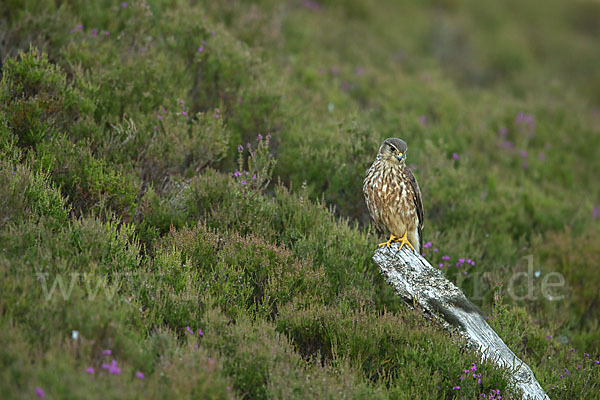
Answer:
(393, 196)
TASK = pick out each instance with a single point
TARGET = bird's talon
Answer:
(403, 240)
(389, 242)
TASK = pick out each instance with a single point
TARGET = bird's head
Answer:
(393, 150)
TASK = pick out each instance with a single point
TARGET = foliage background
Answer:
(200, 164)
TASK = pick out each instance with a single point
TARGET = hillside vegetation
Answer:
(181, 212)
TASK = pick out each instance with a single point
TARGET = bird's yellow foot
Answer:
(403, 240)
(389, 242)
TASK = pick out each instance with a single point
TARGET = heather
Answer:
(181, 211)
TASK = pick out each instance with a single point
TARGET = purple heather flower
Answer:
(465, 371)
(200, 49)
(243, 182)
(89, 370)
(124, 5)
(211, 361)
(503, 131)
(248, 146)
(254, 177)
(183, 113)
(155, 128)
(542, 156)
(435, 250)
(523, 153)
(423, 119)
(79, 27)
(40, 392)
(596, 362)
(106, 33)
(240, 148)
(203, 41)
(200, 332)
(462, 261)
(196, 346)
(508, 145)
(548, 337)
(586, 354)
(311, 5)
(213, 34)
(106, 352)
(94, 32)
(596, 212)
(160, 117)
(525, 119)
(456, 388)
(525, 164)
(474, 367)
(259, 137)
(112, 367)
(140, 375)
(579, 367)
(427, 245)
(455, 156)
(441, 265)
(164, 111)
(446, 258)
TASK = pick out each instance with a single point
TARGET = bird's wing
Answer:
(372, 198)
(418, 200)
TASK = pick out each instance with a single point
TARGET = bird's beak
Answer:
(399, 156)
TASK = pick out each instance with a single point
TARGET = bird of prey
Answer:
(393, 196)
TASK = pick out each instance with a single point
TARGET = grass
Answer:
(170, 166)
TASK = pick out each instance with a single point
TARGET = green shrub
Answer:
(147, 214)
(36, 99)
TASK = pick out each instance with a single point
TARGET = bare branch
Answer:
(416, 281)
